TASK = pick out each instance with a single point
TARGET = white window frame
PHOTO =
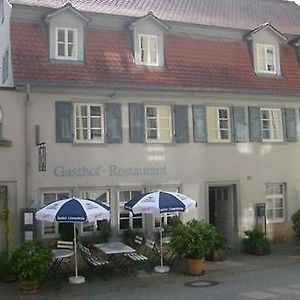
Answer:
(56, 224)
(148, 62)
(271, 127)
(89, 128)
(218, 123)
(90, 194)
(273, 198)
(131, 216)
(75, 43)
(265, 47)
(158, 139)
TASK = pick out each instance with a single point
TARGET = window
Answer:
(148, 50)
(218, 124)
(66, 43)
(1, 122)
(5, 59)
(266, 59)
(99, 196)
(271, 124)
(89, 123)
(51, 229)
(128, 220)
(275, 201)
(158, 123)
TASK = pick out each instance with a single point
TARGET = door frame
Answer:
(236, 217)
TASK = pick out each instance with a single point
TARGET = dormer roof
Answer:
(266, 27)
(67, 7)
(149, 17)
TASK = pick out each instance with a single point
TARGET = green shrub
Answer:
(31, 261)
(256, 243)
(194, 239)
(296, 223)
(104, 230)
(129, 235)
(219, 251)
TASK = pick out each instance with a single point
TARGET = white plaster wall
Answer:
(5, 43)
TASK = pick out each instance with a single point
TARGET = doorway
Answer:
(3, 219)
(222, 202)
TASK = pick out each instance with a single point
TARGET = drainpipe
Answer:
(27, 145)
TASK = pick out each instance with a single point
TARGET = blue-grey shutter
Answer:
(199, 121)
(114, 123)
(240, 124)
(255, 130)
(290, 125)
(64, 122)
(136, 123)
(181, 124)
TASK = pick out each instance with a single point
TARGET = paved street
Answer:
(276, 276)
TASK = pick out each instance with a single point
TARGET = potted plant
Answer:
(219, 250)
(193, 241)
(256, 243)
(31, 262)
(6, 272)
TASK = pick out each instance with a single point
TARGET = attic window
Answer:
(148, 50)
(266, 59)
(66, 43)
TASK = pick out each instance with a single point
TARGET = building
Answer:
(115, 98)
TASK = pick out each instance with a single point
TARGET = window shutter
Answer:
(181, 124)
(136, 123)
(240, 124)
(290, 125)
(199, 120)
(64, 122)
(114, 123)
(255, 124)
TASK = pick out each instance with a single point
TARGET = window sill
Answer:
(66, 61)
(5, 143)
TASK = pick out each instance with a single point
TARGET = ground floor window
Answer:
(51, 229)
(275, 202)
(126, 219)
(99, 196)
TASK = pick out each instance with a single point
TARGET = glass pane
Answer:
(137, 223)
(81, 122)
(124, 214)
(224, 134)
(151, 112)
(278, 203)
(223, 113)
(124, 196)
(96, 133)
(81, 110)
(223, 123)
(61, 49)
(151, 123)
(266, 134)
(152, 134)
(96, 122)
(81, 134)
(266, 124)
(270, 214)
(279, 213)
(61, 196)
(71, 50)
(265, 114)
(102, 197)
(60, 35)
(124, 224)
(70, 36)
(96, 111)
(49, 197)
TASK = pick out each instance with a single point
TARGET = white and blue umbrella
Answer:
(74, 210)
(160, 202)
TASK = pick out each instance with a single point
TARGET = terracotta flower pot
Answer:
(29, 287)
(194, 266)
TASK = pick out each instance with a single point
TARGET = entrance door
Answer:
(3, 219)
(221, 211)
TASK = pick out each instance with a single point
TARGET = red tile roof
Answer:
(242, 14)
(190, 63)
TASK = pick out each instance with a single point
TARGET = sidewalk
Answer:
(236, 263)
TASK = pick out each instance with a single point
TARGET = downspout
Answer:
(27, 146)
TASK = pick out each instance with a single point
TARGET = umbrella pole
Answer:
(76, 279)
(75, 250)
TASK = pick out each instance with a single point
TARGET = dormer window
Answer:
(148, 50)
(266, 58)
(66, 43)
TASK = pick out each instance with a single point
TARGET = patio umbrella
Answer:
(160, 202)
(74, 210)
